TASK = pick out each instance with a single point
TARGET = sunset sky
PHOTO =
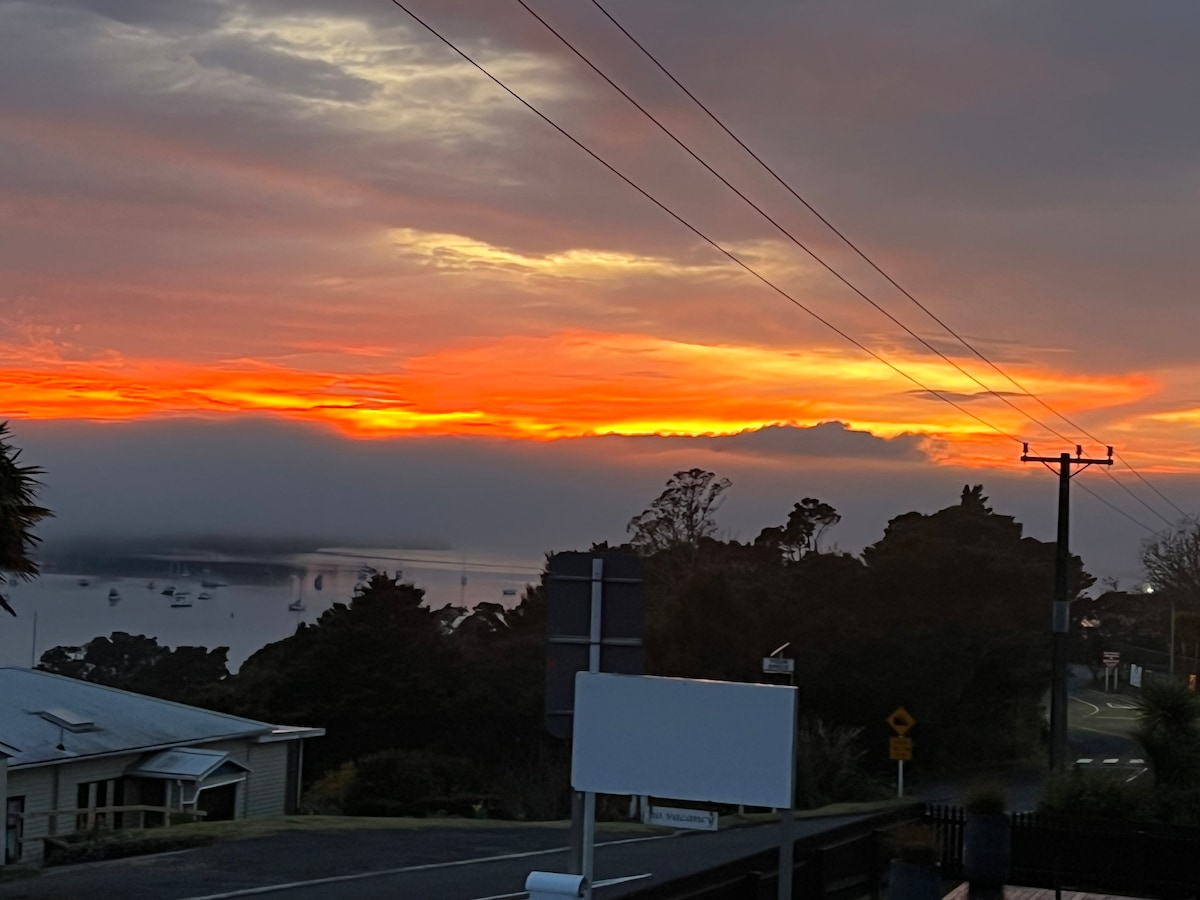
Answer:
(294, 267)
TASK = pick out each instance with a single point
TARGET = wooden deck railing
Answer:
(91, 816)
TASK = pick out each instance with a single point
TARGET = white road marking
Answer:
(379, 873)
(1120, 706)
(1095, 708)
(520, 895)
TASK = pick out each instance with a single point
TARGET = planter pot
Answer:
(987, 850)
(914, 881)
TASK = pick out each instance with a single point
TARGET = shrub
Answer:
(327, 796)
(916, 844)
(413, 783)
(829, 765)
(986, 799)
(119, 846)
(1092, 795)
(1176, 806)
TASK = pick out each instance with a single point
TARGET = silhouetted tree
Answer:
(378, 673)
(681, 515)
(965, 564)
(806, 523)
(134, 662)
(19, 514)
(1172, 562)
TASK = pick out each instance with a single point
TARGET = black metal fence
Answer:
(1138, 859)
(850, 862)
(844, 863)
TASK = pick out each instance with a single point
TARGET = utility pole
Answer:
(1060, 618)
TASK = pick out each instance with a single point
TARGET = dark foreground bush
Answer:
(117, 846)
(1094, 795)
(415, 783)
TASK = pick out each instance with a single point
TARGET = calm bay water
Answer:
(250, 609)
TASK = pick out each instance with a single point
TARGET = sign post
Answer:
(900, 747)
(595, 620)
(775, 664)
(1112, 659)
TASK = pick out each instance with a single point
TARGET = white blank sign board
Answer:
(683, 739)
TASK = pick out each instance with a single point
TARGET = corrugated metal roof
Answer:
(123, 721)
(184, 763)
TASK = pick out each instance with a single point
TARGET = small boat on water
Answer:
(168, 591)
(181, 601)
(83, 582)
(114, 596)
(205, 595)
(297, 605)
(212, 583)
(509, 592)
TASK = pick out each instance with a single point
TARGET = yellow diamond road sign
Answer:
(901, 721)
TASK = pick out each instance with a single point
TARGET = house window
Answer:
(94, 801)
(14, 828)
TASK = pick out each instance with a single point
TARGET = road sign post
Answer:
(900, 747)
(1112, 659)
(595, 621)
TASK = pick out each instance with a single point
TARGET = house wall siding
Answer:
(266, 784)
(37, 787)
(269, 796)
(46, 788)
(50, 787)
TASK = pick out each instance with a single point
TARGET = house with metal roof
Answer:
(76, 755)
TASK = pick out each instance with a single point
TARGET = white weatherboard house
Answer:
(76, 755)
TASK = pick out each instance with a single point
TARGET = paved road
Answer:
(1101, 725)
(434, 864)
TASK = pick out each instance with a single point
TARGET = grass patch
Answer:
(16, 872)
(251, 828)
(121, 845)
(833, 809)
(198, 834)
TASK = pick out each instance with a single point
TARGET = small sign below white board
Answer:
(672, 817)
(778, 664)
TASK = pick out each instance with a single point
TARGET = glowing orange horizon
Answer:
(565, 385)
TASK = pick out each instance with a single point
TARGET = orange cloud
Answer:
(568, 384)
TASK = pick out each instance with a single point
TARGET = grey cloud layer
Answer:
(256, 478)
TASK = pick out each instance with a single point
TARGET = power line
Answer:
(692, 228)
(780, 228)
(732, 257)
(1143, 479)
(871, 262)
(1115, 508)
(1126, 489)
